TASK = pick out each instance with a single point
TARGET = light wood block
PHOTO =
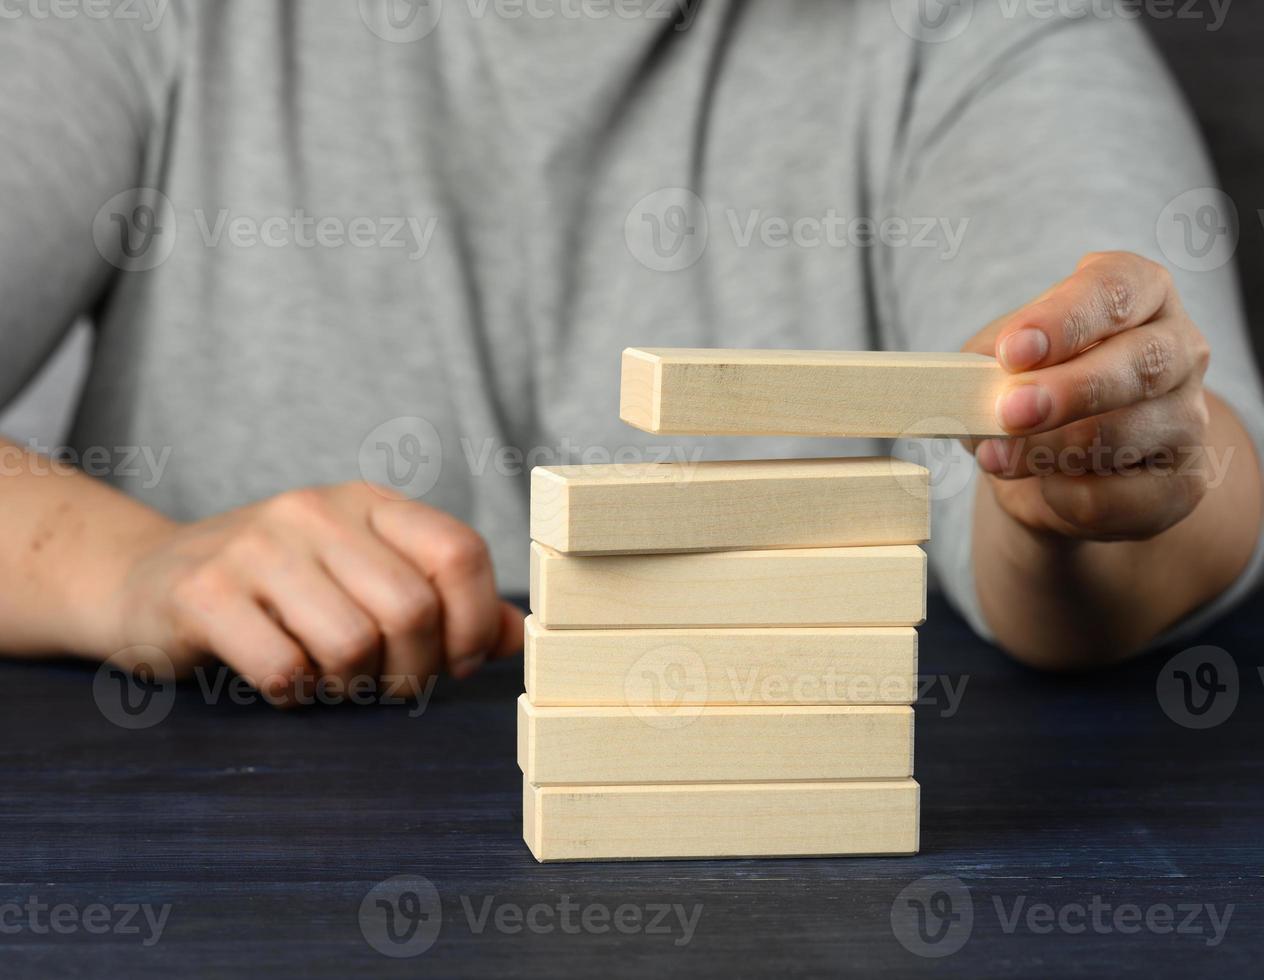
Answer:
(808, 819)
(872, 586)
(680, 667)
(609, 745)
(731, 504)
(810, 393)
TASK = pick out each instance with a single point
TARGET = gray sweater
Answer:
(407, 240)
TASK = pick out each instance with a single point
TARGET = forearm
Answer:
(1058, 602)
(67, 537)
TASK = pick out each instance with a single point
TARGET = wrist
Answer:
(105, 616)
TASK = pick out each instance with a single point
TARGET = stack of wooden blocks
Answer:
(721, 657)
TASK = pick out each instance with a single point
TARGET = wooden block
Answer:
(609, 745)
(873, 586)
(810, 393)
(731, 504)
(670, 668)
(807, 819)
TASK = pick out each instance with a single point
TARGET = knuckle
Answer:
(196, 593)
(1201, 351)
(1077, 329)
(200, 585)
(306, 506)
(1117, 298)
(1087, 506)
(1199, 415)
(370, 491)
(463, 553)
(249, 547)
(1153, 363)
(1092, 393)
(413, 608)
(351, 643)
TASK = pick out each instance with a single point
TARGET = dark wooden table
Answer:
(1069, 826)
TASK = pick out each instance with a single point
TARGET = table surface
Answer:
(1069, 825)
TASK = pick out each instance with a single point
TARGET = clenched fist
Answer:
(336, 582)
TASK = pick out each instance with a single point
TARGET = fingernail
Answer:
(1024, 349)
(467, 666)
(988, 455)
(1024, 407)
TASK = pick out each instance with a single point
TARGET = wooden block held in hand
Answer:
(771, 665)
(879, 394)
(804, 819)
(729, 505)
(666, 743)
(872, 586)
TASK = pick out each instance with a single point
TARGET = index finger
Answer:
(1109, 292)
(456, 561)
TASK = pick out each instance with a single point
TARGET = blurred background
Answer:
(1221, 72)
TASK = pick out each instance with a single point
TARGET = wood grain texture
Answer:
(586, 823)
(653, 744)
(773, 665)
(810, 393)
(873, 586)
(643, 508)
